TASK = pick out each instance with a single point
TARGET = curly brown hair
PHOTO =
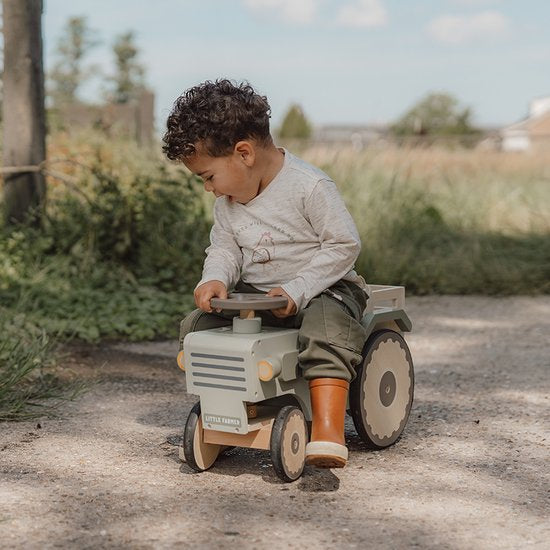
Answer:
(218, 115)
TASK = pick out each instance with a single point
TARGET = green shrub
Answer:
(155, 225)
(117, 255)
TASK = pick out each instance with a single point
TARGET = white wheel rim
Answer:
(293, 445)
(205, 453)
(382, 420)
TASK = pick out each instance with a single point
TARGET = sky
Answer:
(343, 61)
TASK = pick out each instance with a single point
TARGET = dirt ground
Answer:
(471, 470)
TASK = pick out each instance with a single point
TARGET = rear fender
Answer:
(392, 318)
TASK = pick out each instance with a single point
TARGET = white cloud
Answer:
(363, 13)
(293, 11)
(458, 29)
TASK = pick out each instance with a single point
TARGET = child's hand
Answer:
(210, 289)
(282, 312)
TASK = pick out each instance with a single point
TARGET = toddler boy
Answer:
(281, 227)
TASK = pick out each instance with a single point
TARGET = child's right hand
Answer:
(208, 290)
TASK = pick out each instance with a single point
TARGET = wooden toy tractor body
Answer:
(252, 393)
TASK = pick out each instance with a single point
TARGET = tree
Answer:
(128, 81)
(68, 73)
(436, 114)
(24, 120)
(295, 124)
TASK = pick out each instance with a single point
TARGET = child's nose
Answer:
(208, 187)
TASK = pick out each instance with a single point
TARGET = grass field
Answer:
(444, 221)
(479, 190)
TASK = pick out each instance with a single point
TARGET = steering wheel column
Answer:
(247, 304)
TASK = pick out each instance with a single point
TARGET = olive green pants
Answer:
(330, 334)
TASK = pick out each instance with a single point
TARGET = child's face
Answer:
(231, 176)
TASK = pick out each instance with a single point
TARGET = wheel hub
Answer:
(387, 388)
(295, 443)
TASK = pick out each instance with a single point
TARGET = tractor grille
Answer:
(210, 371)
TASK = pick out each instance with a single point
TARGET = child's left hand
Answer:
(282, 312)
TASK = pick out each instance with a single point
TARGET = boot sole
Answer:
(324, 461)
(326, 454)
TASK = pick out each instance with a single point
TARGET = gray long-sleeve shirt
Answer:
(297, 234)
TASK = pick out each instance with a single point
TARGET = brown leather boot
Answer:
(327, 448)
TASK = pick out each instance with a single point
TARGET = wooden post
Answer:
(24, 120)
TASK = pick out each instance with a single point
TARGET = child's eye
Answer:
(209, 178)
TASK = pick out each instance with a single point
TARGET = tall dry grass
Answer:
(495, 191)
(447, 221)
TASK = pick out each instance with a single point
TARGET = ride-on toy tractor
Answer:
(252, 393)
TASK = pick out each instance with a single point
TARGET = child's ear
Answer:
(246, 152)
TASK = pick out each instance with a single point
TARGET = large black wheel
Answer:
(381, 395)
(289, 437)
(198, 454)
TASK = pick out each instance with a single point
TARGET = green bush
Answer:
(428, 254)
(94, 300)
(154, 225)
(117, 254)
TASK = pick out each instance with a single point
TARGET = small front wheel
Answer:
(198, 454)
(289, 438)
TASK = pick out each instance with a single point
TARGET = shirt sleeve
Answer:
(224, 257)
(339, 245)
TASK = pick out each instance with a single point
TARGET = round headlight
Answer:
(179, 359)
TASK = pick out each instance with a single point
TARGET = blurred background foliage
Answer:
(121, 241)
(116, 254)
(295, 124)
(436, 114)
(119, 247)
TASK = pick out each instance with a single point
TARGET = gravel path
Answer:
(471, 470)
